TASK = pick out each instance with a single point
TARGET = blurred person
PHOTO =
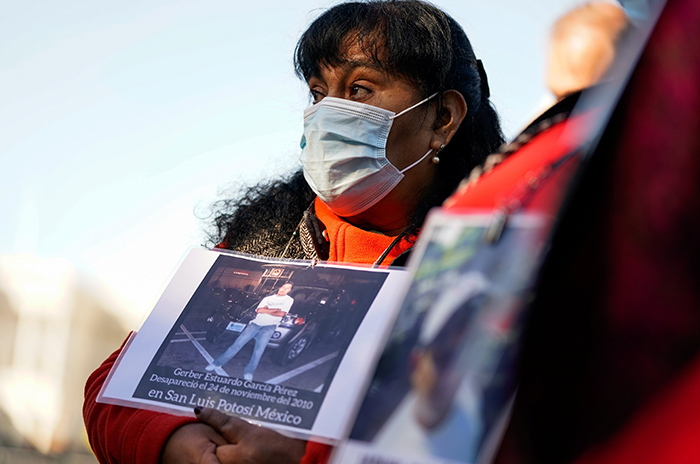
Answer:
(611, 363)
(583, 46)
(404, 76)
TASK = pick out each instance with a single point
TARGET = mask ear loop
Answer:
(406, 111)
(415, 163)
(414, 106)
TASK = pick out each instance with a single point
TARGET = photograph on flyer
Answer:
(261, 340)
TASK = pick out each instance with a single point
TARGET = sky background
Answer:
(121, 122)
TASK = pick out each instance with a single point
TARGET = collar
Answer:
(351, 244)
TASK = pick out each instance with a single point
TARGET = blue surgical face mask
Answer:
(343, 153)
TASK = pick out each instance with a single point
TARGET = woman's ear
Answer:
(454, 110)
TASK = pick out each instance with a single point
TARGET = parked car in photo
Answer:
(226, 304)
(317, 315)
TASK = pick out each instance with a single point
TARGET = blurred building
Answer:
(55, 329)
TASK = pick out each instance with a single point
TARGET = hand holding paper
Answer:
(250, 442)
(193, 443)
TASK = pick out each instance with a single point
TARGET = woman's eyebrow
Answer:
(351, 64)
(361, 63)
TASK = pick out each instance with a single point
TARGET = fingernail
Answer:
(197, 411)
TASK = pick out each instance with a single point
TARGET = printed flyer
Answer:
(442, 388)
(280, 343)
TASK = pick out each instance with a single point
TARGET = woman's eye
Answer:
(316, 95)
(357, 91)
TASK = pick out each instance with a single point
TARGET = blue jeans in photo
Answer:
(262, 335)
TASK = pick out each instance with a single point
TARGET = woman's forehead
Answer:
(355, 48)
(353, 56)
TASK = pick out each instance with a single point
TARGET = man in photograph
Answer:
(270, 312)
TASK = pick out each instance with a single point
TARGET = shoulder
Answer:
(548, 139)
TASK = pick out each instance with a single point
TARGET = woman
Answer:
(410, 48)
(401, 114)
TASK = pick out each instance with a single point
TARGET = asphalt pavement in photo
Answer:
(189, 349)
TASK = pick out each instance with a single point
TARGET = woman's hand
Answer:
(193, 443)
(251, 444)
